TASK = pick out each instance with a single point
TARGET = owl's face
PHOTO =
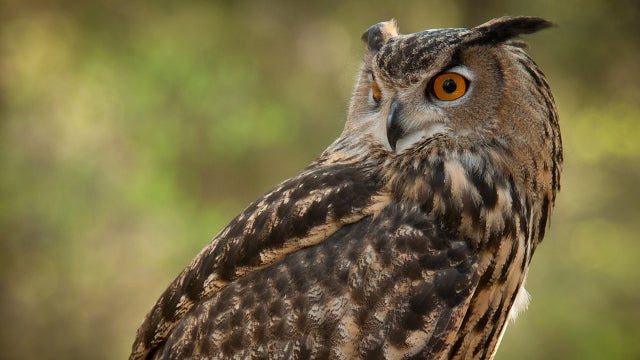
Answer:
(469, 84)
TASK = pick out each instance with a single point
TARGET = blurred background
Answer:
(132, 132)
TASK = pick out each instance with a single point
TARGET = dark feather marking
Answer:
(492, 336)
(227, 266)
(423, 300)
(323, 352)
(482, 323)
(451, 218)
(481, 347)
(513, 192)
(281, 283)
(194, 285)
(358, 295)
(343, 276)
(236, 229)
(226, 297)
(413, 270)
(261, 319)
(261, 223)
(276, 307)
(298, 278)
(231, 345)
(301, 307)
(427, 203)
(458, 344)
(248, 300)
(507, 263)
(438, 341)
(374, 353)
(170, 303)
(224, 324)
(238, 318)
(452, 286)
(416, 243)
(278, 330)
(472, 210)
(458, 253)
(373, 300)
(262, 289)
(437, 177)
(397, 335)
(305, 349)
(498, 313)
(544, 215)
(488, 193)
(503, 29)
(188, 346)
(443, 241)
(510, 229)
(435, 261)
(486, 279)
(532, 73)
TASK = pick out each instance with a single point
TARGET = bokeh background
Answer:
(132, 132)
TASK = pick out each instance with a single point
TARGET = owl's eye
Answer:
(376, 94)
(449, 86)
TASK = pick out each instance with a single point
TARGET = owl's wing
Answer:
(300, 212)
(394, 285)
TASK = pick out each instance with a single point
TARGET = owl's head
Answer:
(476, 87)
(459, 81)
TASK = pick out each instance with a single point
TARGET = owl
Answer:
(409, 237)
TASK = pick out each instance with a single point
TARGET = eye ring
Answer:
(449, 86)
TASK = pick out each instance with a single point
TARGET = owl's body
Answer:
(409, 237)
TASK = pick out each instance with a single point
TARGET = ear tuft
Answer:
(378, 34)
(506, 28)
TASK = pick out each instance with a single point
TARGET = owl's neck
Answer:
(471, 189)
(481, 190)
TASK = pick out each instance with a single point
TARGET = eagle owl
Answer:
(410, 236)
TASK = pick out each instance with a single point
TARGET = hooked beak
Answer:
(394, 125)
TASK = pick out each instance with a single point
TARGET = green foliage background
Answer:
(131, 132)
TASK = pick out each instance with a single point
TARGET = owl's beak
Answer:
(394, 125)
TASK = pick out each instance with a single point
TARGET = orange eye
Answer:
(449, 86)
(375, 92)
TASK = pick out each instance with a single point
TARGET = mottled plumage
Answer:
(409, 237)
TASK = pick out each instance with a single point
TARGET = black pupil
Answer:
(449, 86)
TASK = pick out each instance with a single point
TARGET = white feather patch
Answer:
(520, 304)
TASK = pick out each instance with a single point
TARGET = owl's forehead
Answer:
(407, 55)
